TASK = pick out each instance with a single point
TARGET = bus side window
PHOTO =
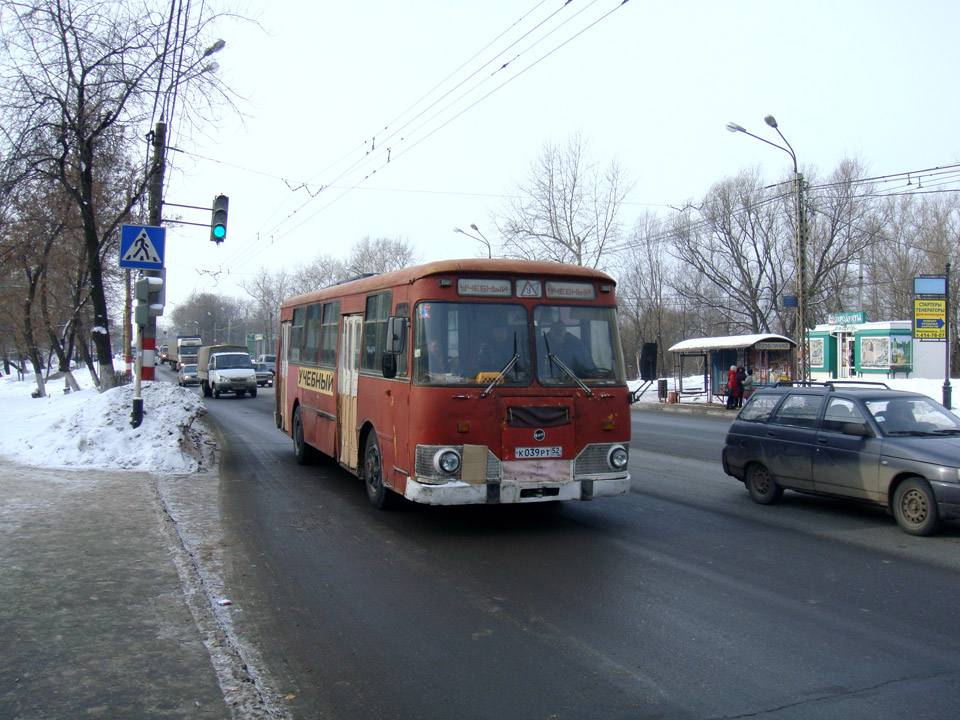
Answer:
(375, 331)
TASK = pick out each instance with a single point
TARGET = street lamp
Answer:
(481, 239)
(800, 244)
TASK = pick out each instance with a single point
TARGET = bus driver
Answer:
(567, 348)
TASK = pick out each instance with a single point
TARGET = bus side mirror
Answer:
(396, 338)
(396, 335)
(389, 366)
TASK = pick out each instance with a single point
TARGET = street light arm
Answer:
(790, 151)
(733, 127)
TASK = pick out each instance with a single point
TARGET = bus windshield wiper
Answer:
(571, 373)
(499, 377)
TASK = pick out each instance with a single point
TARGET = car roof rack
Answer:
(831, 384)
(868, 383)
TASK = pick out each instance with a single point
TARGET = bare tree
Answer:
(373, 256)
(735, 253)
(78, 78)
(214, 318)
(643, 289)
(267, 291)
(842, 226)
(367, 257)
(568, 210)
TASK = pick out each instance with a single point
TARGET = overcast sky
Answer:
(346, 134)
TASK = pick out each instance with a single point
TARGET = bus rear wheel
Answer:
(379, 494)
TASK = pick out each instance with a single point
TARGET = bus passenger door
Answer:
(348, 372)
(280, 415)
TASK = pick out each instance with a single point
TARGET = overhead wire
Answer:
(256, 247)
(368, 145)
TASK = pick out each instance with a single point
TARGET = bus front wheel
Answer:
(379, 495)
(301, 451)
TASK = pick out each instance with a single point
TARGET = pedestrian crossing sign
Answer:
(142, 246)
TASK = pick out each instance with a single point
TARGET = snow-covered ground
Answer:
(88, 429)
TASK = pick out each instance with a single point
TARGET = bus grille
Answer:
(426, 471)
(592, 461)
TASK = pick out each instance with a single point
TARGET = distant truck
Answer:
(226, 369)
(269, 360)
(187, 347)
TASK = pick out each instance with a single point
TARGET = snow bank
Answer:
(87, 429)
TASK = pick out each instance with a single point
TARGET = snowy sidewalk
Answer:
(94, 620)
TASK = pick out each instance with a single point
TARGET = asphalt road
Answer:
(682, 600)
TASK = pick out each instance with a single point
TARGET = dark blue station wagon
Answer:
(863, 441)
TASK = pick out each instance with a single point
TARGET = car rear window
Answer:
(759, 407)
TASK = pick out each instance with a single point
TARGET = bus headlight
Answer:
(617, 457)
(447, 461)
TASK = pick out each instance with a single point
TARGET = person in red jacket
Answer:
(732, 387)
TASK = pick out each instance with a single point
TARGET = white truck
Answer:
(187, 347)
(226, 369)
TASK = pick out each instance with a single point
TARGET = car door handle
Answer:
(822, 441)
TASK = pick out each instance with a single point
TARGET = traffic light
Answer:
(150, 296)
(218, 223)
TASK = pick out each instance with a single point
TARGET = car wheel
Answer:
(378, 493)
(302, 451)
(761, 485)
(253, 393)
(216, 391)
(915, 507)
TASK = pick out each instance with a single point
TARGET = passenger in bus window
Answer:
(568, 348)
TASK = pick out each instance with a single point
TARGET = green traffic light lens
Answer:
(219, 231)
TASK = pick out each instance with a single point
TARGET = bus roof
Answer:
(479, 266)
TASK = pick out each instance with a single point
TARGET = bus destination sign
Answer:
(484, 287)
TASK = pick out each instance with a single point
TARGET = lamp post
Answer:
(800, 245)
(481, 239)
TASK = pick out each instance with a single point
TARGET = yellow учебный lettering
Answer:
(316, 380)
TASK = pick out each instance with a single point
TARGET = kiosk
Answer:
(845, 349)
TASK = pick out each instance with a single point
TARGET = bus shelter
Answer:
(768, 358)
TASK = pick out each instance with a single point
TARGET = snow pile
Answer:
(92, 430)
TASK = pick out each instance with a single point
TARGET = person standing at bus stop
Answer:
(732, 387)
(741, 385)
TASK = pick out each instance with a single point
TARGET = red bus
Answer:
(461, 381)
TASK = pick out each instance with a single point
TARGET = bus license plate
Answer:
(532, 453)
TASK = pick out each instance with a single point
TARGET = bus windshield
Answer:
(577, 343)
(458, 343)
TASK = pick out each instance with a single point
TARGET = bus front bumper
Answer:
(461, 493)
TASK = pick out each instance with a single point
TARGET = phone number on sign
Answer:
(528, 453)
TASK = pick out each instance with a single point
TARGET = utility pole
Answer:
(803, 365)
(147, 333)
(947, 390)
(155, 194)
